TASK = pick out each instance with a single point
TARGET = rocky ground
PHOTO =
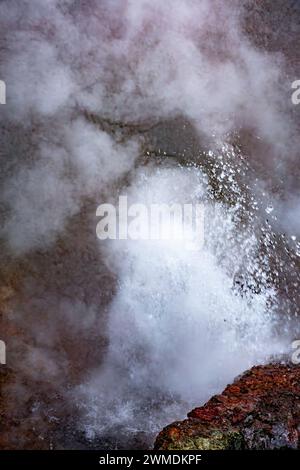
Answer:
(260, 410)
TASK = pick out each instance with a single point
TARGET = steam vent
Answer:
(149, 227)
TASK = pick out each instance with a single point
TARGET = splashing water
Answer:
(148, 329)
(180, 328)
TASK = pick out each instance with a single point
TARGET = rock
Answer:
(260, 410)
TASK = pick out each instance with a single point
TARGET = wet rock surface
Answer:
(260, 410)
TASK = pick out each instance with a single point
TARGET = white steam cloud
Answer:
(88, 84)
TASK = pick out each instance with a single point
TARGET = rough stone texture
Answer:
(260, 410)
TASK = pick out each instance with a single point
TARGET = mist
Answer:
(162, 101)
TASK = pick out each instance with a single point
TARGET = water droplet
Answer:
(269, 209)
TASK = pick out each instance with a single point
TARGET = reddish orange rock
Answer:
(260, 410)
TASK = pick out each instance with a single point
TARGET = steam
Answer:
(178, 330)
(131, 63)
(88, 85)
